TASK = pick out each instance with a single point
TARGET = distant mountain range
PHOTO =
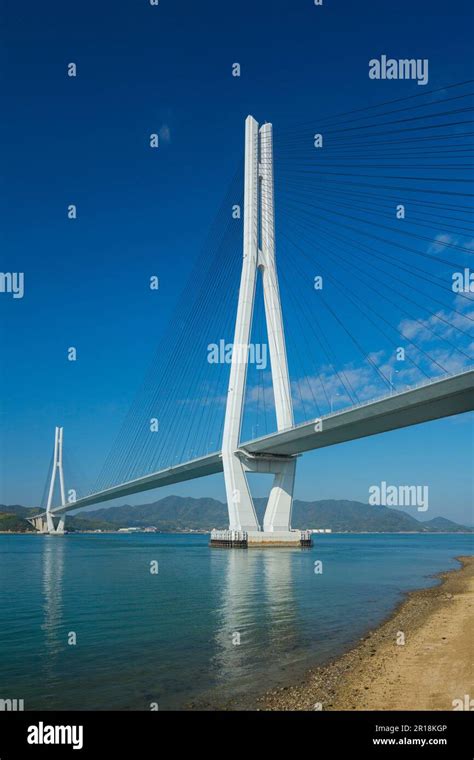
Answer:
(177, 513)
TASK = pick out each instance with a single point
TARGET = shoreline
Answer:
(207, 532)
(429, 671)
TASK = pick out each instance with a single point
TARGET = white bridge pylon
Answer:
(258, 255)
(48, 523)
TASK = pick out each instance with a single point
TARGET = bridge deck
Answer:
(441, 398)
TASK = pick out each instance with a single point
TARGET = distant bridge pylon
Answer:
(49, 523)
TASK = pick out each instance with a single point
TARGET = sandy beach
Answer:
(433, 667)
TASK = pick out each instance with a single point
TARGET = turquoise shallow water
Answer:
(173, 637)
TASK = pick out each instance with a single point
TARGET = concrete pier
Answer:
(242, 539)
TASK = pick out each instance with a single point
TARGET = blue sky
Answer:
(85, 140)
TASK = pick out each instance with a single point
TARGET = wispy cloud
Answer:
(445, 240)
(440, 242)
(164, 133)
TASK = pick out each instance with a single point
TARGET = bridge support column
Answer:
(39, 523)
(55, 526)
(259, 255)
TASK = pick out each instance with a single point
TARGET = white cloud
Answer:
(440, 242)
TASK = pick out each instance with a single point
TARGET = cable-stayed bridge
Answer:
(407, 277)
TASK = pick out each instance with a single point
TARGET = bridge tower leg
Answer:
(58, 527)
(258, 255)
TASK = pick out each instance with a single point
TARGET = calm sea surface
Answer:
(172, 637)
